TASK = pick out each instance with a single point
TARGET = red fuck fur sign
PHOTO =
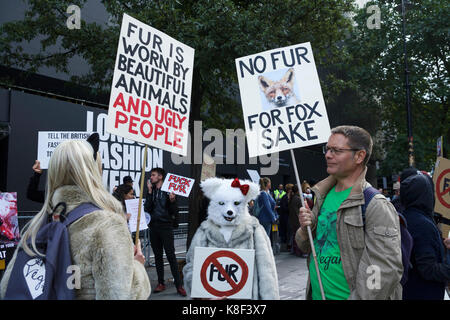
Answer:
(179, 185)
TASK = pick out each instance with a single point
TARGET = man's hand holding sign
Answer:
(291, 112)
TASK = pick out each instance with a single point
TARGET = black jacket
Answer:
(284, 206)
(32, 191)
(163, 212)
(430, 271)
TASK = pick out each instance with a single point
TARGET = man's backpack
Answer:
(47, 278)
(406, 238)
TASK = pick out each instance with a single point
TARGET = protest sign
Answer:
(9, 224)
(283, 105)
(49, 140)
(179, 185)
(254, 175)
(132, 206)
(282, 100)
(439, 150)
(6, 254)
(151, 88)
(222, 272)
(441, 179)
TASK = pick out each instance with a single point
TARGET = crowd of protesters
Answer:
(111, 267)
(281, 207)
(108, 272)
(351, 232)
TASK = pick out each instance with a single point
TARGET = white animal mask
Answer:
(228, 199)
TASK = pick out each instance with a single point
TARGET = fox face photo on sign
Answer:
(282, 100)
(279, 89)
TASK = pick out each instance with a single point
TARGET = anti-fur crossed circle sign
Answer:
(236, 287)
(440, 194)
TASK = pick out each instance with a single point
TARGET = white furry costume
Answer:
(229, 225)
(102, 247)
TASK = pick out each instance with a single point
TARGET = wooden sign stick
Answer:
(311, 241)
(141, 192)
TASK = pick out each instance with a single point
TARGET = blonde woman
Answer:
(111, 267)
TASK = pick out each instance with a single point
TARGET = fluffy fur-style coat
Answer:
(102, 247)
(246, 233)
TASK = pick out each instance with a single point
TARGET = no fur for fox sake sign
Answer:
(282, 100)
(151, 89)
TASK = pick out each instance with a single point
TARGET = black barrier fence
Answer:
(180, 235)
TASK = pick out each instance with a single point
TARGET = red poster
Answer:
(9, 223)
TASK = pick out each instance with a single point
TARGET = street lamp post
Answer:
(402, 8)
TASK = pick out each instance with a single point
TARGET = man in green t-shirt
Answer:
(356, 260)
(328, 252)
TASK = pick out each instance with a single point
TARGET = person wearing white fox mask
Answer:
(229, 225)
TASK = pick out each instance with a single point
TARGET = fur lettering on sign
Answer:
(178, 184)
(295, 57)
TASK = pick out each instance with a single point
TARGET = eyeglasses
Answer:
(336, 151)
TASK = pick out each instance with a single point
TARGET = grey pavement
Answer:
(292, 276)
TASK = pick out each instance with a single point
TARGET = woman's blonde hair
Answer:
(72, 163)
(263, 182)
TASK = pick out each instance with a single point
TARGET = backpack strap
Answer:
(79, 212)
(369, 193)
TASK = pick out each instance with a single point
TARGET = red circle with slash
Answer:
(212, 259)
(440, 194)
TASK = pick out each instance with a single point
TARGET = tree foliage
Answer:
(378, 70)
(219, 30)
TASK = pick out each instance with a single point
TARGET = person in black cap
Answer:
(128, 180)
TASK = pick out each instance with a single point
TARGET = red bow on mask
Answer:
(244, 188)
